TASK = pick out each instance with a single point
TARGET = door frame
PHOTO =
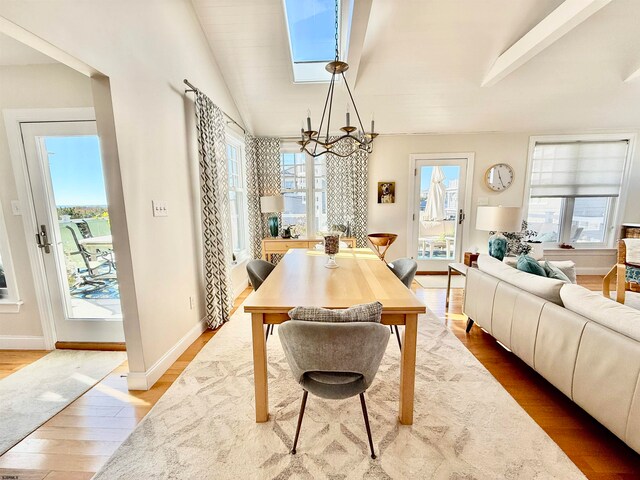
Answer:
(13, 118)
(469, 157)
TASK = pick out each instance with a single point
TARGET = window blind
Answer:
(578, 169)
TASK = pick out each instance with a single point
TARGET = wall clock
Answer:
(499, 177)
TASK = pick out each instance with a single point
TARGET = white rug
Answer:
(440, 281)
(466, 425)
(35, 393)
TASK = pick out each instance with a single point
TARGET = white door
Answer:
(438, 212)
(67, 184)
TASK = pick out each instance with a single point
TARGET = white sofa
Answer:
(584, 344)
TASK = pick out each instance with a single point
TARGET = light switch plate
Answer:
(159, 208)
(15, 207)
(483, 201)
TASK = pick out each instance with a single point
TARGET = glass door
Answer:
(437, 218)
(74, 233)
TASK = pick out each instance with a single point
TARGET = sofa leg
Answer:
(469, 325)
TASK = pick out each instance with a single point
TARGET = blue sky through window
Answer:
(311, 29)
(76, 170)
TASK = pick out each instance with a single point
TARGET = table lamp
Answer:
(272, 204)
(498, 219)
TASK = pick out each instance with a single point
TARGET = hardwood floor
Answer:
(77, 441)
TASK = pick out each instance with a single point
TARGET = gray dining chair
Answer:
(405, 269)
(334, 360)
(258, 271)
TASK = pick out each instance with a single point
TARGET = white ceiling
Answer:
(423, 63)
(13, 52)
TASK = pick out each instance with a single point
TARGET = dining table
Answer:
(301, 279)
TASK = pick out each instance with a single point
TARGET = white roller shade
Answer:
(578, 169)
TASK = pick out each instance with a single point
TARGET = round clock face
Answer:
(499, 177)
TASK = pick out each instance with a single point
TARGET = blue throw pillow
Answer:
(530, 265)
(554, 272)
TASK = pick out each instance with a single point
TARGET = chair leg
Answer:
(366, 424)
(302, 407)
(397, 336)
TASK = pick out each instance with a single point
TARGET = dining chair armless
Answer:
(334, 360)
(258, 271)
(405, 269)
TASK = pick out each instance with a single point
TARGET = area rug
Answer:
(466, 426)
(440, 281)
(35, 393)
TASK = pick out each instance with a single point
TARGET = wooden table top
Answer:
(300, 279)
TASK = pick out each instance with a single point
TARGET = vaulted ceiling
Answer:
(423, 63)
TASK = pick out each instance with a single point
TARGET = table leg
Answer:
(408, 369)
(446, 303)
(260, 367)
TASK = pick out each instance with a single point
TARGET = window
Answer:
(237, 195)
(575, 187)
(304, 187)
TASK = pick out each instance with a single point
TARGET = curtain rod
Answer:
(193, 89)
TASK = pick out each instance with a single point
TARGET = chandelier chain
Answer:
(337, 28)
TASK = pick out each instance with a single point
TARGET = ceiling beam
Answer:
(562, 20)
(634, 76)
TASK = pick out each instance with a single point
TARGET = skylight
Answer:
(311, 28)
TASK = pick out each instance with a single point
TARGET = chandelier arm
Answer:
(333, 142)
(324, 110)
(331, 88)
(354, 104)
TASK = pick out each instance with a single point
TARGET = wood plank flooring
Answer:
(77, 441)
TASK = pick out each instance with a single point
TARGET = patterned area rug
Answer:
(466, 425)
(35, 393)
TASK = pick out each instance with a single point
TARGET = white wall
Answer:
(146, 48)
(33, 86)
(390, 162)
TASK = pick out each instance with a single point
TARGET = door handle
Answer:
(461, 217)
(42, 238)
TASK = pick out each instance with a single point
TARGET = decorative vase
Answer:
(273, 226)
(331, 248)
(498, 246)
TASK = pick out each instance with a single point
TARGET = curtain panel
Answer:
(347, 188)
(263, 179)
(216, 220)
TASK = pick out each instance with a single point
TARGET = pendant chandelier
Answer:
(317, 142)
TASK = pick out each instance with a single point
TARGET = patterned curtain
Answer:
(347, 187)
(263, 178)
(216, 220)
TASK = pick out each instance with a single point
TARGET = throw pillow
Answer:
(554, 272)
(367, 312)
(530, 265)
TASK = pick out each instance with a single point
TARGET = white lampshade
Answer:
(272, 204)
(499, 219)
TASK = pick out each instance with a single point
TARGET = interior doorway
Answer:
(66, 181)
(438, 209)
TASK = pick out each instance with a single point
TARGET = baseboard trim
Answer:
(146, 380)
(592, 270)
(22, 342)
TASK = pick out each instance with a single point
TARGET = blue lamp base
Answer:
(273, 226)
(498, 246)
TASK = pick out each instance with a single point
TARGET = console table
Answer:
(271, 245)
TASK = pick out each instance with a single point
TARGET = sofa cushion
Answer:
(546, 288)
(567, 266)
(595, 307)
(529, 264)
(554, 272)
(366, 312)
